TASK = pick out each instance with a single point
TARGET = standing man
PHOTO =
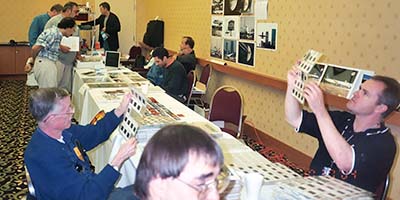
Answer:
(66, 61)
(354, 146)
(179, 162)
(45, 53)
(38, 23)
(174, 80)
(56, 155)
(186, 55)
(109, 28)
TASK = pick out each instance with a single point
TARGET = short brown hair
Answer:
(390, 96)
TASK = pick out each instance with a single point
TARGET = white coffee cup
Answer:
(252, 185)
(145, 88)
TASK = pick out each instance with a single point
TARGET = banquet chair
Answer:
(190, 78)
(31, 190)
(226, 110)
(381, 192)
(201, 86)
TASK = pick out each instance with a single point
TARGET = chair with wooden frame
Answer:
(226, 110)
(190, 78)
(201, 85)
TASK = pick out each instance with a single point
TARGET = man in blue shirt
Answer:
(38, 23)
(56, 155)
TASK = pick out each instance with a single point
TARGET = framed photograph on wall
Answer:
(267, 34)
(217, 7)
(247, 28)
(231, 27)
(217, 25)
(261, 9)
(246, 53)
(216, 47)
(230, 50)
(247, 6)
(232, 7)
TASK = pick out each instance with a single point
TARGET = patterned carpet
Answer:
(17, 126)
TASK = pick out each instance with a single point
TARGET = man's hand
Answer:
(27, 68)
(292, 76)
(338, 148)
(126, 150)
(29, 65)
(314, 97)
(123, 107)
(79, 57)
(64, 48)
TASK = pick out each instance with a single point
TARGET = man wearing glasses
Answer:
(56, 155)
(179, 162)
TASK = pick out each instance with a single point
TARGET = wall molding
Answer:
(280, 84)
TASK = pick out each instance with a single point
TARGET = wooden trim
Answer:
(281, 84)
(13, 77)
(246, 74)
(300, 159)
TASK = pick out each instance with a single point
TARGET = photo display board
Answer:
(233, 30)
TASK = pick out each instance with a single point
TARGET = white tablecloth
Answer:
(239, 158)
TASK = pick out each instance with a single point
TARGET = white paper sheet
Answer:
(71, 42)
(261, 8)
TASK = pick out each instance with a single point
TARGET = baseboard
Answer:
(13, 77)
(300, 159)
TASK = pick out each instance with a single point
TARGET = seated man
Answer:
(356, 147)
(186, 54)
(56, 155)
(155, 73)
(179, 162)
(174, 80)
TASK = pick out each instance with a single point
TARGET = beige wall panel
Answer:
(17, 15)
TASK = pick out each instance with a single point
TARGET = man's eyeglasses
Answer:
(219, 184)
(202, 188)
(70, 111)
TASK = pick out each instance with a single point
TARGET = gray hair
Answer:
(43, 100)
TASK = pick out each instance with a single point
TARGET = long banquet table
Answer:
(279, 182)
